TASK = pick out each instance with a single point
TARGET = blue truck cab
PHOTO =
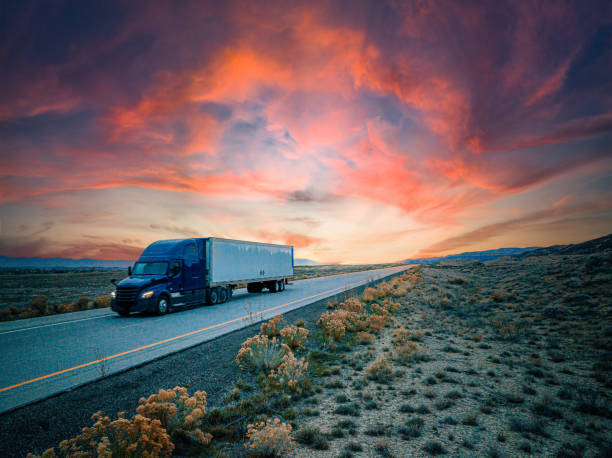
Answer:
(185, 272)
(168, 272)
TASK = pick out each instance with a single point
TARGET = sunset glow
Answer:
(359, 132)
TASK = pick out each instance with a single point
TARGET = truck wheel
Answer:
(124, 313)
(273, 286)
(213, 297)
(222, 295)
(281, 285)
(162, 305)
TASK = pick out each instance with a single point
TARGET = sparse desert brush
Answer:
(271, 328)
(177, 412)
(66, 307)
(83, 303)
(507, 328)
(334, 324)
(352, 304)
(405, 351)
(40, 305)
(416, 335)
(364, 338)
(376, 322)
(101, 302)
(400, 335)
(477, 337)
(369, 294)
(293, 336)
(291, 375)
(261, 354)
(140, 436)
(379, 309)
(380, 370)
(270, 438)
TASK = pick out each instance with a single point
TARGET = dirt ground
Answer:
(514, 359)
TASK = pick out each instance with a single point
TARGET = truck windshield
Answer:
(150, 268)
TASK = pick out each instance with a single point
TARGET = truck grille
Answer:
(126, 295)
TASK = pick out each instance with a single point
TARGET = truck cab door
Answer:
(192, 275)
(175, 282)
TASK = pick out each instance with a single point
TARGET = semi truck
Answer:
(178, 273)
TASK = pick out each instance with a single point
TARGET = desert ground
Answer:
(510, 357)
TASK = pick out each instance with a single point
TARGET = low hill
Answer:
(591, 246)
(473, 255)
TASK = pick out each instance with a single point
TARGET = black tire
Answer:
(213, 297)
(230, 292)
(124, 313)
(273, 286)
(163, 305)
(281, 285)
(222, 295)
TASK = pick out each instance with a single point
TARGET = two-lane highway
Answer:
(44, 356)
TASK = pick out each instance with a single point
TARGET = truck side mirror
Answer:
(129, 270)
(114, 281)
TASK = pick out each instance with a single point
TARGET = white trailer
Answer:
(259, 265)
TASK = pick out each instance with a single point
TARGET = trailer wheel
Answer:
(222, 295)
(281, 285)
(213, 297)
(162, 305)
(273, 286)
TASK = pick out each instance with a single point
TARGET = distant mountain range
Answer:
(474, 255)
(591, 246)
(50, 263)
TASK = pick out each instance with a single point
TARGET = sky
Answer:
(358, 132)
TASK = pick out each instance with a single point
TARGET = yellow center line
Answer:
(106, 358)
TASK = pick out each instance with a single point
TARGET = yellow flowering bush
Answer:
(352, 304)
(400, 335)
(177, 412)
(377, 322)
(334, 323)
(138, 437)
(271, 438)
(293, 336)
(261, 354)
(379, 309)
(271, 328)
(291, 374)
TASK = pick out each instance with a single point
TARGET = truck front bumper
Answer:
(139, 305)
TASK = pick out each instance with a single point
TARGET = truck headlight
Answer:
(113, 294)
(146, 294)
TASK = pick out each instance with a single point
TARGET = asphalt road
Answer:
(45, 356)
